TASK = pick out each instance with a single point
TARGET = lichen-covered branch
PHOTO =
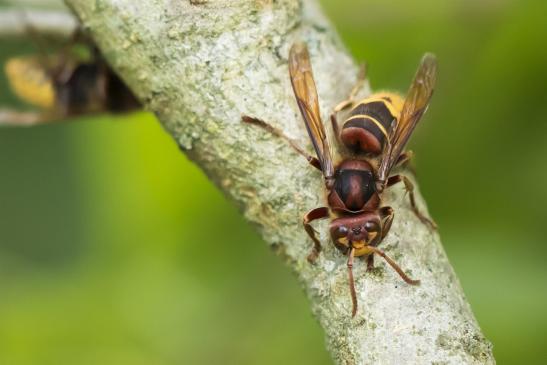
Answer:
(200, 65)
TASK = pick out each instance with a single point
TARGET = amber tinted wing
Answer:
(306, 97)
(415, 105)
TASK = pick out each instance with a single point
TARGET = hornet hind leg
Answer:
(279, 133)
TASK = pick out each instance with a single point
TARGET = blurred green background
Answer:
(102, 222)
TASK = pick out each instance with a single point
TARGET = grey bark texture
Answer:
(200, 65)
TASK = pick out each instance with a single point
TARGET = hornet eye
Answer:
(343, 230)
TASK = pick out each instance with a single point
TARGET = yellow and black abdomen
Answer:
(367, 127)
(75, 88)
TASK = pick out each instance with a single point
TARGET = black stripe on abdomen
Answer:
(377, 110)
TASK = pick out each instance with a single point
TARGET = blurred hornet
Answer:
(65, 84)
(371, 141)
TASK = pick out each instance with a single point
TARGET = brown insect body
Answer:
(354, 189)
(379, 126)
(93, 87)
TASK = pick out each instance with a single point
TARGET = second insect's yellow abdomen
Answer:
(30, 82)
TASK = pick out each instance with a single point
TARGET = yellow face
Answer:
(361, 247)
(29, 80)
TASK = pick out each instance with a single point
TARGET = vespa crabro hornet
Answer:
(65, 84)
(374, 137)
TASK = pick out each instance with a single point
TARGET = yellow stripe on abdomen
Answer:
(394, 102)
(373, 120)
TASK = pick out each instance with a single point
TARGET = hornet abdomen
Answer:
(367, 127)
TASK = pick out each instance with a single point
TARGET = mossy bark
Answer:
(200, 65)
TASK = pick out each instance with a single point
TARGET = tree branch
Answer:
(16, 22)
(199, 66)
